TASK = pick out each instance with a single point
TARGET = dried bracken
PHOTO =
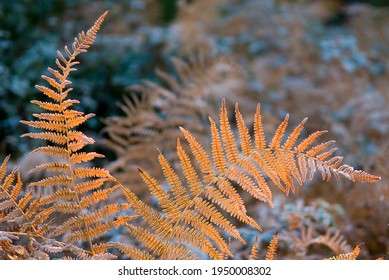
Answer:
(208, 183)
(272, 249)
(254, 250)
(348, 256)
(193, 207)
(80, 189)
(154, 112)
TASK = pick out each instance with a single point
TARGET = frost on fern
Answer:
(197, 205)
(79, 186)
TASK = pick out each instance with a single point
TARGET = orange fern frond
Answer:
(271, 253)
(254, 250)
(80, 187)
(20, 211)
(348, 256)
(194, 201)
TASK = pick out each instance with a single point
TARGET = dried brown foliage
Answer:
(199, 208)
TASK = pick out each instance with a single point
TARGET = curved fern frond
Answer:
(194, 202)
(336, 242)
(348, 256)
(271, 252)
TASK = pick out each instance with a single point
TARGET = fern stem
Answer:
(73, 184)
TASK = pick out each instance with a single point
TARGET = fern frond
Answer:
(271, 253)
(254, 250)
(75, 198)
(19, 210)
(336, 242)
(348, 256)
(195, 205)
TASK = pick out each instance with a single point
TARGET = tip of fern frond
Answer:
(15, 169)
(257, 227)
(104, 14)
(211, 120)
(228, 252)
(242, 240)
(178, 142)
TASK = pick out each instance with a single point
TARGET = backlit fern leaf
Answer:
(194, 204)
(79, 189)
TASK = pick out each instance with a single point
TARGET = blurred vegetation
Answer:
(32, 30)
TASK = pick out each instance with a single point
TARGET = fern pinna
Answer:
(195, 207)
(80, 188)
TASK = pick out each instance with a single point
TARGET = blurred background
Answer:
(323, 59)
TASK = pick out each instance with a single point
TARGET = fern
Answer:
(151, 120)
(254, 250)
(270, 252)
(194, 207)
(347, 256)
(272, 248)
(20, 213)
(336, 242)
(81, 188)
